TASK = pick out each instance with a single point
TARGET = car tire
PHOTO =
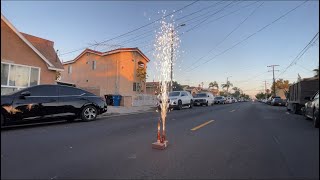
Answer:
(207, 104)
(89, 113)
(315, 118)
(191, 104)
(179, 105)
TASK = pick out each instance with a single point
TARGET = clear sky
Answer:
(77, 24)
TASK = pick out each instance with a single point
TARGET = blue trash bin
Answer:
(116, 100)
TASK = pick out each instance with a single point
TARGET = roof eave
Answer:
(26, 41)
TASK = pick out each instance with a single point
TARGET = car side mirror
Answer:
(24, 94)
(307, 98)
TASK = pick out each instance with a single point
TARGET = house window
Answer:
(94, 65)
(69, 69)
(136, 86)
(15, 77)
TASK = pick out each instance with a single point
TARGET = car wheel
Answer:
(315, 119)
(191, 104)
(207, 104)
(179, 105)
(89, 113)
(2, 120)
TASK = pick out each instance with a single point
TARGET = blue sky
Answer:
(77, 24)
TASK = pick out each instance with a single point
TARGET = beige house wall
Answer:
(15, 50)
(114, 73)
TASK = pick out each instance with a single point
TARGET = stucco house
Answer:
(153, 88)
(26, 60)
(111, 72)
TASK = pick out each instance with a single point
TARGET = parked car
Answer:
(219, 100)
(203, 99)
(277, 101)
(178, 99)
(311, 109)
(50, 102)
(229, 100)
(269, 100)
(234, 100)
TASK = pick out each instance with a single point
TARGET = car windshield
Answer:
(218, 97)
(201, 95)
(174, 94)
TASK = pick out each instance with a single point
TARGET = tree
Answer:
(176, 86)
(237, 92)
(142, 75)
(222, 93)
(316, 72)
(261, 95)
(281, 84)
(214, 84)
(227, 85)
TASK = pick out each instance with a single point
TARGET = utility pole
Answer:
(274, 81)
(228, 86)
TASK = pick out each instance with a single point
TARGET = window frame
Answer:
(70, 69)
(94, 65)
(21, 65)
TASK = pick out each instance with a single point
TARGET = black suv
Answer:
(50, 102)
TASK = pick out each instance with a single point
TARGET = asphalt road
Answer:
(242, 140)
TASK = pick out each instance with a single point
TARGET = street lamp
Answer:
(171, 63)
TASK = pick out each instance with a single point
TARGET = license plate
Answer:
(198, 103)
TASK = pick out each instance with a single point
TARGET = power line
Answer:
(134, 29)
(301, 53)
(134, 39)
(248, 37)
(226, 37)
(207, 17)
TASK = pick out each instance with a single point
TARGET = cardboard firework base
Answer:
(159, 145)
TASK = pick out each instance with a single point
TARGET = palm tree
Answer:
(316, 71)
(236, 89)
(214, 84)
(227, 85)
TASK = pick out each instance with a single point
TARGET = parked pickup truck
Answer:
(296, 97)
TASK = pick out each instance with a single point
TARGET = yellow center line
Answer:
(200, 126)
(233, 111)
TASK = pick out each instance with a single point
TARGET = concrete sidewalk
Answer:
(121, 110)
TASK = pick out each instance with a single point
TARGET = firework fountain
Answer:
(167, 42)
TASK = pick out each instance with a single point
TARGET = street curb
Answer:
(125, 114)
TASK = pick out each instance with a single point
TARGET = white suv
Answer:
(203, 99)
(178, 99)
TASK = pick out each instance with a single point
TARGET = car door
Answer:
(183, 97)
(71, 100)
(311, 103)
(211, 98)
(36, 102)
